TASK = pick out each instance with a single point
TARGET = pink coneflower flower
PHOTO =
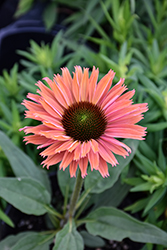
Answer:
(81, 118)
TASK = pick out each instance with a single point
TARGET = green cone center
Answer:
(84, 121)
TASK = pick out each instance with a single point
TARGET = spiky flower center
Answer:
(84, 121)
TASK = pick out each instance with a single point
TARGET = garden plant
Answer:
(83, 129)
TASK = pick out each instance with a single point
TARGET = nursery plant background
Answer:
(130, 38)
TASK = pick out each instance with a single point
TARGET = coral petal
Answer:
(73, 168)
(93, 159)
(67, 159)
(85, 148)
(84, 86)
(103, 86)
(94, 145)
(83, 164)
(103, 168)
(107, 155)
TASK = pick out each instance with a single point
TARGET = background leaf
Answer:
(10, 241)
(26, 194)
(33, 241)
(6, 219)
(50, 15)
(91, 240)
(66, 183)
(21, 164)
(27, 241)
(118, 192)
(112, 223)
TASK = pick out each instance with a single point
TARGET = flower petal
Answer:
(93, 82)
(103, 86)
(93, 159)
(103, 168)
(67, 159)
(37, 139)
(52, 160)
(116, 149)
(57, 92)
(51, 150)
(73, 168)
(131, 132)
(64, 146)
(77, 152)
(83, 164)
(113, 95)
(84, 86)
(94, 145)
(107, 155)
(85, 148)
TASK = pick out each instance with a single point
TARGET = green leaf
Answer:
(11, 240)
(91, 240)
(21, 164)
(137, 206)
(134, 181)
(161, 157)
(6, 112)
(156, 126)
(151, 116)
(140, 56)
(50, 15)
(33, 241)
(108, 17)
(23, 7)
(112, 223)
(146, 186)
(156, 196)
(97, 184)
(26, 194)
(147, 150)
(4, 125)
(123, 52)
(152, 90)
(68, 238)
(6, 219)
(117, 192)
(66, 182)
(99, 29)
(15, 115)
(144, 164)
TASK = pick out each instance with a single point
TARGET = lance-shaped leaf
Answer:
(6, 219)
(21, 164)
(26, 194)
(114, 224)
(27, 241)
(10, 241)
(68, 238)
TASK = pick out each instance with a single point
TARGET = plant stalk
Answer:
(75, 195)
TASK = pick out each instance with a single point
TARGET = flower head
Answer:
(81, 118)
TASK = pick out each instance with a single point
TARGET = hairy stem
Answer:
(75, 195)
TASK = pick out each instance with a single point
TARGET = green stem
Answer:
(65, 200)
(83, 221)
(75, 195)
(51, 210)
(82, 207)
(84, 196)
